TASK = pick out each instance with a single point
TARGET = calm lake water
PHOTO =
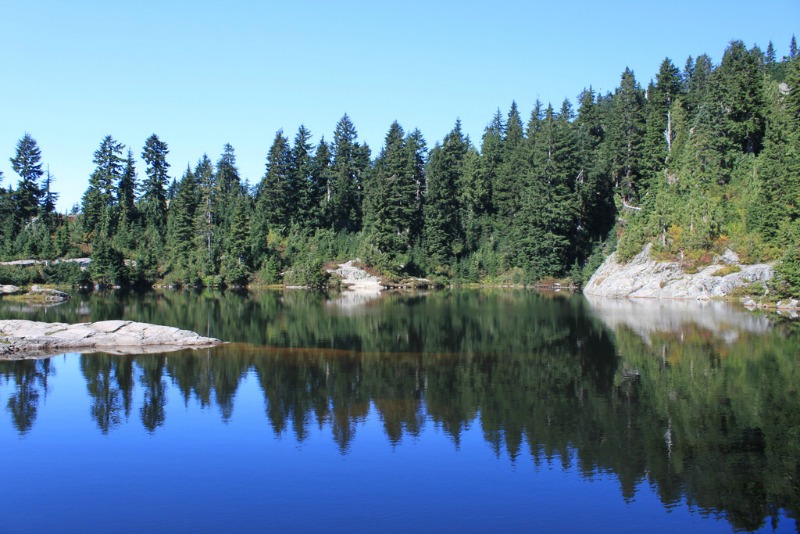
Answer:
(502, 411)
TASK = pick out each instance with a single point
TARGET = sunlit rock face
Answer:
(643, 277)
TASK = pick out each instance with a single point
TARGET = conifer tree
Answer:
(153, 200)
(389, 203)
(49, 197)
(319, 192)
(417, 153)
(181, 225)
(483, 185)
(737, 94)
(207, 235)
(660, 132)
(275, 204)
(513, 168)
(126, 192)
(548, 206)
(349, 166)
(442, 233)
(227, 189)
(307, 190)
(626, 126)
(27, 164)
(99, 196)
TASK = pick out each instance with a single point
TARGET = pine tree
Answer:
(207, 234)
(442, 233)
(736, 93)
(307, 190)
(596, 213)
(660, 133)
(483, 186)
(320, 187)
(126, 192)
(153, 200)
(625, 138)
(27, 164)
(49, 198)
(548, 206)
(275, 199)
(228, 188)
(696, 83)
(349, 166)
(417, 153)
(181, 225)
(389, 202)
(99, 196)
(513, 168)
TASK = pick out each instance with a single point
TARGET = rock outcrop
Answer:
(643, 277)
(22, 339)
(357, 279)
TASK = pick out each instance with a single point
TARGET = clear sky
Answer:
(201, 74)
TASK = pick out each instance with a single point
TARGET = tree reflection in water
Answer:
(702, 415)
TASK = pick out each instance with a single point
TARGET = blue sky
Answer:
(201, 74)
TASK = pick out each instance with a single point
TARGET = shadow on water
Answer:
(700, 402)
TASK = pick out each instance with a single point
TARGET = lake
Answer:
(475, 411)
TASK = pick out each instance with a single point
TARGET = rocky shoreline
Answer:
(21, 339)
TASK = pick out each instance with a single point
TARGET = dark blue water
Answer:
(577, 424)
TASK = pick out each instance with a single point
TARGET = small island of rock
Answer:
(21, 339)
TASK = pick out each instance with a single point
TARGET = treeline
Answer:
(701, 160)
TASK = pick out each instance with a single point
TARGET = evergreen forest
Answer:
(700, 159)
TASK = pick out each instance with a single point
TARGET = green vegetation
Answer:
(701, 160)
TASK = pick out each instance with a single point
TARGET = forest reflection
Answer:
(703, 416)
